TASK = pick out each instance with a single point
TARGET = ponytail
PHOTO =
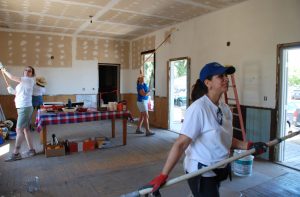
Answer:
(199, 89)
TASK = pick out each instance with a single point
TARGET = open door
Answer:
(289, 104)
(109, 83)
(179, 91)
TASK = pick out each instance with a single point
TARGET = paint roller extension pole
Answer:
(155, 50)
(206, 169)
(1, 65)
(5, 79)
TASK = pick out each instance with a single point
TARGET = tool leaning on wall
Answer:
(10, 89)
(146, 191)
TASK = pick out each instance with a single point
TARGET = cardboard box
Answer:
(102, 142)
(55, 150)
(73, 147)
(89, 145)
(81, 145)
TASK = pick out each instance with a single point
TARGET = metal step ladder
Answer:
(235, 107)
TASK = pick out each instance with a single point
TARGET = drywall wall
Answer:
(254, 28)
(141, 45)
(35, 49)
(103, 50)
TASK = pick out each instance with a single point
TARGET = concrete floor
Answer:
(116, 170)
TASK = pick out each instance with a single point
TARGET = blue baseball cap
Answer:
(214, 68)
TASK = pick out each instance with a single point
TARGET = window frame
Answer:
(144, 60)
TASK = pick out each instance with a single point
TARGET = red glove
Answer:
(260, 147)
(158, 181)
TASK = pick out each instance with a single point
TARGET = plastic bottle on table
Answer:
(69, 103)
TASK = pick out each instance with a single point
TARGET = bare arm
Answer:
(177, 150)
(143, 93)
(238, 144)
(12, 77)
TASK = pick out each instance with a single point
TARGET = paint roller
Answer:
(146, 191)
(155, 50)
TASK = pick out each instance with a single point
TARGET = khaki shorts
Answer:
(24, 117)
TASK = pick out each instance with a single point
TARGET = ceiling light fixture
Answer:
(91, 19)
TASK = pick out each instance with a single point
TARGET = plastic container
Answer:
(33, 184)
(119, 106)
(12, 135)
(242, 166)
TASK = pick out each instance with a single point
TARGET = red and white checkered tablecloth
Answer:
(46, 118)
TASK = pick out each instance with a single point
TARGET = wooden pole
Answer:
(5, 78)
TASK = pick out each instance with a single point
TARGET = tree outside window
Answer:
(148, 59)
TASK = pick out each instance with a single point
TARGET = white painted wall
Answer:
(81, 78)
(254, 29)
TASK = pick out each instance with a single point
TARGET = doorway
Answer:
(148, 70)
(109, 83)
(179, 91)
(289, 104)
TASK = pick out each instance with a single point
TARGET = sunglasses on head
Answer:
(220, 116)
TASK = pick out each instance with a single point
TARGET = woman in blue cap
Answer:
(206, 135)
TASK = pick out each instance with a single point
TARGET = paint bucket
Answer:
(242, 166)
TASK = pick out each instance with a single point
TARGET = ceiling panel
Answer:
(218, 3)
(17, 5)
(93, 2)
(118, 19)
(69, 23)
(98, 26)
(135, 19)
(11, 17)
(47, 21)
(43, 6)
(169, 9)
(117, 29)
(53, 8)
(80, 12)
(107, 35)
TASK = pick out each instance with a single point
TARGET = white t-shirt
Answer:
(38, 90)
(211, 141)
(24, 92)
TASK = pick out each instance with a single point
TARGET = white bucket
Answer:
(242, 166)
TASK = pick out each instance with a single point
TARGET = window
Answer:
(148, 62)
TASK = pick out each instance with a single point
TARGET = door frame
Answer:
(188, 77)
(278, 151)
(118, 79)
